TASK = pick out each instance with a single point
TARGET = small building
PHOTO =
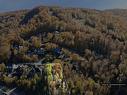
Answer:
(31, 73)
(57, 32)
(57, 51)
(36, 51)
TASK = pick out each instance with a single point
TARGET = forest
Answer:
(90, 45)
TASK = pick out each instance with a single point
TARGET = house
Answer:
(57, 52)
(9, 68)
(17, 72)
(40, 51)
(29, 53)
(39, 70)
(27, 69)
(36, 51)
(31, 73)
(14, 66)
(17, 46)
(57, 32)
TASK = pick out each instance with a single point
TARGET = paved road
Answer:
(13, 91)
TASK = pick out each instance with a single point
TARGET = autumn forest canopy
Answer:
(92, 46)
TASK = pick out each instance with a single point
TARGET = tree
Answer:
(75, 57)
(35, 42)
(9, 80)
(2, 67)
(5, 51)
(115, 56)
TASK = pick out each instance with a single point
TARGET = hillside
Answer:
(119, 12)
(89, 44)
